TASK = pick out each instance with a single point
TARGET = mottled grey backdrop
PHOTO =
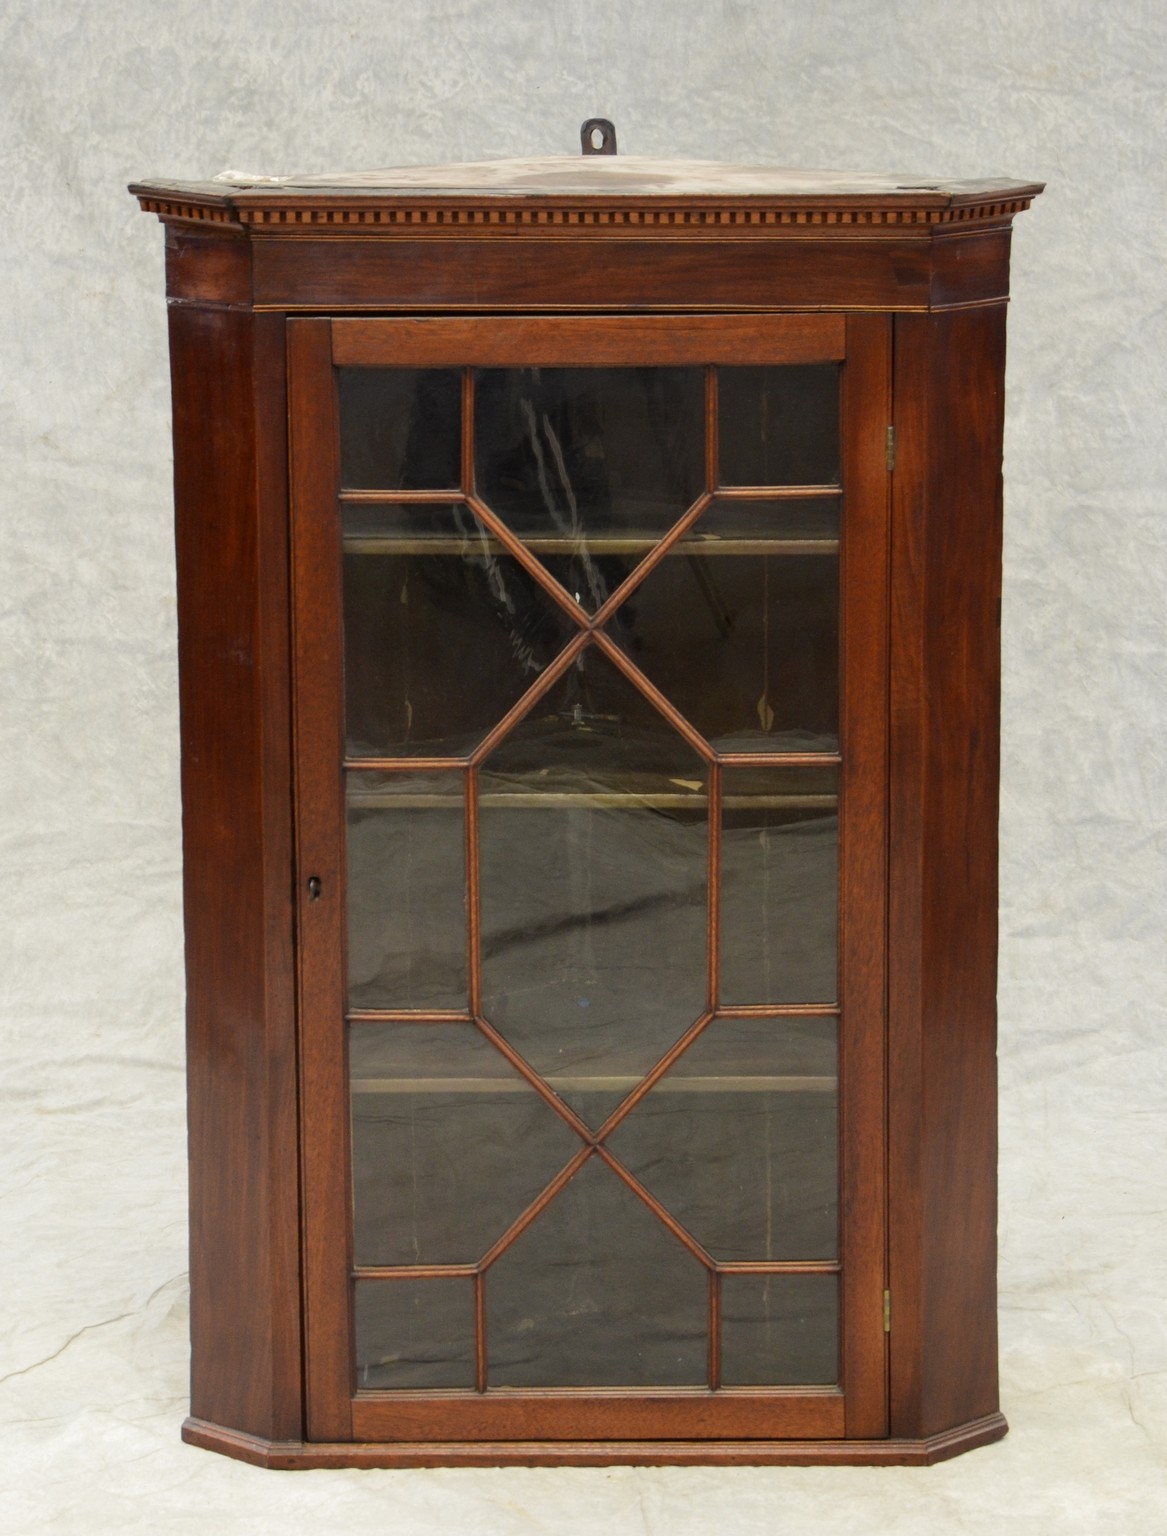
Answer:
(92, 1319)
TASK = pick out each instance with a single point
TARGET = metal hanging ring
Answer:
(598, 137)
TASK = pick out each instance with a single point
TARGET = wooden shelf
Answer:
(624, 545)
(612, 1084)
(358, 496)
(599, 800)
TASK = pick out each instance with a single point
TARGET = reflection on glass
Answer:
(443, 631)
(738, 626)
(450, 1143)
(406, 890)
(596, 1293)
(589, 465)
(593, 863)
(779, 885)
(400, 428)
(414, 1333)
(738, 1140)
(779, 1330)
(779, 426)
(593, 828)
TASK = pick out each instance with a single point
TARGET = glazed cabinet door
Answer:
(590, 734)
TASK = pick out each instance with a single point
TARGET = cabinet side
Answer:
(945, 711)
(230, 477)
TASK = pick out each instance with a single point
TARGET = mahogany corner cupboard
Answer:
(588, 596)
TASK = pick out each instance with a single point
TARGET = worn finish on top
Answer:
(564, 189)
(624, 175)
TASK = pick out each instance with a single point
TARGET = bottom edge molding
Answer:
(293, 1455)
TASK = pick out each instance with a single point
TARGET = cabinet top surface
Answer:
(535, 186)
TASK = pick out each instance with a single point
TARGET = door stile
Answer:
(317, 660)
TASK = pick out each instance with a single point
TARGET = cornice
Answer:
(341, 211)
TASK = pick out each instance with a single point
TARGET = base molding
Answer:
(294, 1455)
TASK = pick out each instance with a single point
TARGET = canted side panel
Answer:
(229, 438)
(945, 765)
(960, 908)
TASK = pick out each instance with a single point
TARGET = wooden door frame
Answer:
(857, 1409)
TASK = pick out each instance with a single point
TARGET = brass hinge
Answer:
(887, 1311)
(891, 449)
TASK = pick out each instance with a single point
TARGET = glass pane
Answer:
(406, 890)
(766, 526)
(779, 1330)
(779, 426)
(450, 1144)
(596, 1293)
(443, 631)
(779, 886)
(400, 428)
(593, 826)
(738, 626)
(414, 1333)
(738, 1140)
(589, 465)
